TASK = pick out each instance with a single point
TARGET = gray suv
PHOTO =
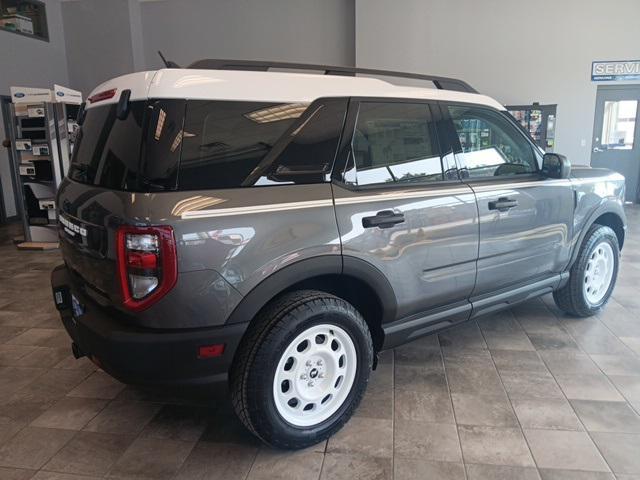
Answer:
(277, 230)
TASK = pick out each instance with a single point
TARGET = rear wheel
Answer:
(302, 369)
(593, 274)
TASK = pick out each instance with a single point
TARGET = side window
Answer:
(233, 144)
(224, 141)
(394, 143)
(307, 155)
(490, 144)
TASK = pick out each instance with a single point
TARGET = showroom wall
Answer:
(98, 41)
(518, 52)
(106, 39)
(287, 30)
(31, 63)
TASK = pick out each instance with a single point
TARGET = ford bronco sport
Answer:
(277, 230)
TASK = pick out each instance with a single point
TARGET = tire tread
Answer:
(274, 319)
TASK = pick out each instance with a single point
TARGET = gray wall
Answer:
(107, 39)
(29, 62)
(285, 30)
(98, 41)
(516, 51)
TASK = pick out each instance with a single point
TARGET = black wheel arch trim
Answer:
(308, 269)
(604, 208)
(377, 281)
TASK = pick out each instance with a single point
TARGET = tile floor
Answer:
(525, 394)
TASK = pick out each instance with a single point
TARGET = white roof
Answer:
(268, 87)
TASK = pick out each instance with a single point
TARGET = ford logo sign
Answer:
(19, 95)
(60, 94)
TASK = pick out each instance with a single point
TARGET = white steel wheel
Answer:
(314, 375)
(598, 273)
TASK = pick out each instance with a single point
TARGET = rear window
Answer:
(191, 145)
(107, 150)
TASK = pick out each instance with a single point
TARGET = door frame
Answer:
(5, 102)
(594, 133)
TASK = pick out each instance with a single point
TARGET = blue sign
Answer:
(621, 70)
(60, 94)
(19, 95)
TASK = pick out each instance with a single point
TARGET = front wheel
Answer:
(593, 274)
(302, 369)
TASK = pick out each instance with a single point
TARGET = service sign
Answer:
(615, 71)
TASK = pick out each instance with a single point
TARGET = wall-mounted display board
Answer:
(42, 142)
(539, 121)
(24, 17)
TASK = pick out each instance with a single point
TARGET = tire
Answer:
(274, 365)
(579, 297)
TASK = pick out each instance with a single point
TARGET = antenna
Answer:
(168, 63)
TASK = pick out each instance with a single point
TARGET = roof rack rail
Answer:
(441, 83)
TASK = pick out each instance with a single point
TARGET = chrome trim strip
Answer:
(382, 197)
(358, 199)
(512, 185)
(275, 207)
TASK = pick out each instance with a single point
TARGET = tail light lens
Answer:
(147, 264)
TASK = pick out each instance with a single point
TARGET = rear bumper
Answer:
(140, 355)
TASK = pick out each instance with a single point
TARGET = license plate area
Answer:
(62, 298)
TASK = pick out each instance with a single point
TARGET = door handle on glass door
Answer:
(503, 204)
(383, 219)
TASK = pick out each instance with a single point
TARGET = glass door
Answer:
(616, 135)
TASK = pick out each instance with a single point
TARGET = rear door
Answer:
(525, 219)
(401, 207)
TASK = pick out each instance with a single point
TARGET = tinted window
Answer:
(225, 141)
(186, 145)
(107, 150)
(393, 143)
(307, 154)
(490, 144)
(163, 145)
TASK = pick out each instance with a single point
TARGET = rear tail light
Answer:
(147, 264)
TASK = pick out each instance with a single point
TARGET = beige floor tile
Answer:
(565, 450)
(427, 441)
(356, 467)
(494, 446)
(364, 436)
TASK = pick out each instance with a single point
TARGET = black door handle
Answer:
(383, 219)
(503, 204)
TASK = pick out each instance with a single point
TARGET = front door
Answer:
(401, 207)
(616, 134)
(525, 219)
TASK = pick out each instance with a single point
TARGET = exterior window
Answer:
(225, 141)
(107, 150)
(394, 143)
(490, 144)
(307, 155)
(618, 127)
(198, 145)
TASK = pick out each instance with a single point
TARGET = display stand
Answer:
(42, 146)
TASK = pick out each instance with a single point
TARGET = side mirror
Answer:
(555, 165)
